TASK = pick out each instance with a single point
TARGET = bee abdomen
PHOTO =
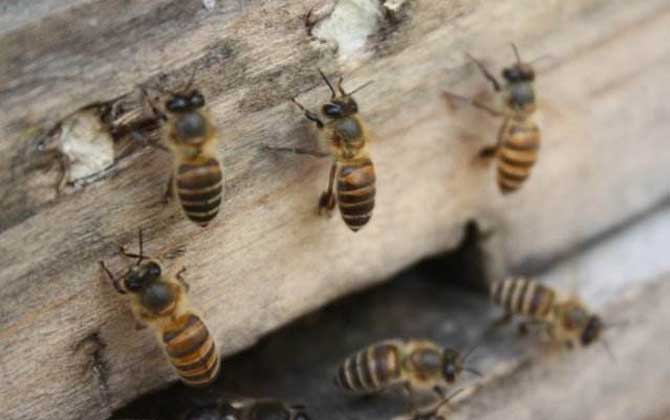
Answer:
(523, 297)
(198, 186)
(356, 192)
(370, 370)
(192, 351)
(517, 155)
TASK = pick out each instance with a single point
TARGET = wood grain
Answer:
(268, 258)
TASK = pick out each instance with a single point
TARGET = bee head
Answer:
(452, 365)
(519, 72)
(141, 276)
(342, 104)
(340, 107)
(594, 327)
(185, 102)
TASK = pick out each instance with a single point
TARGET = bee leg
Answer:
(115, 281)
(410, 396)
(312, 116)
(524, 329)
(180, 277)
(169, 190)
(451, 97)
(490, 77)
(296, 150)
(488, 152)
(327, 200)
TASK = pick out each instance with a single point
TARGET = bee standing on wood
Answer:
(519, 136)
(352, 166)
(160, 300)
(193, 138)
(413, 364)
(566, 319)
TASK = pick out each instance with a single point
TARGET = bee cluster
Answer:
(158, 296)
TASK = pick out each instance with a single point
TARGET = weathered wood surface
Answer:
(268, 258)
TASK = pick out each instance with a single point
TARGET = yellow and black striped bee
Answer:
(419, 365)
(565, 318)
(161, 301)
(519, 136)
(352, 166)
(192, 137)
(250, 409)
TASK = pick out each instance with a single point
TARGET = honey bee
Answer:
(420, 365)
(193, 138)
(566, 319)
(519, 136)
(160, 301)
(352, 166)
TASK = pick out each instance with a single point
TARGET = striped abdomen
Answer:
(370, 370)
(198, 187)
(519, 147)
(523, 297)
(356, 192)
(192, 351)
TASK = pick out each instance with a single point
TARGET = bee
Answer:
(160, 301)
(420, 365)
(519, 136)
(251, 409)
(352, 166)
(566, 319)
(192, 137)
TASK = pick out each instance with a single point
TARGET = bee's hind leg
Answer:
(327, 200)
(169, 190)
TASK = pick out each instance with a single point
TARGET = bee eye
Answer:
(154, 270)
(332, 110)
(177, 104)
(197, 100)
(511, 75)
(134, 281)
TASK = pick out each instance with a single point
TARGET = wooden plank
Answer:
(268, 258)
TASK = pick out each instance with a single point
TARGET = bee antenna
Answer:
(190, 80)
(473, 371)
(472, 350)
(516, 53)
(141, 240)
(445, 400)
(364, 85)
(608, 349)
(330, 86)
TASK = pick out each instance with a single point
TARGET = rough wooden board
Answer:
(250, 56)
(523, 379)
